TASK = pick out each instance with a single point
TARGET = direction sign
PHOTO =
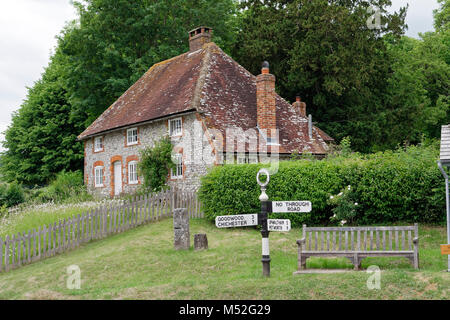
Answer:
(291, 206)
(241, 220)
(445, 249)
(283, 225)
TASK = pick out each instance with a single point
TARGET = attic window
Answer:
(175, 127)
(132, 136)
(98, 144)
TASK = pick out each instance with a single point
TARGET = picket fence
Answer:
(68, 234)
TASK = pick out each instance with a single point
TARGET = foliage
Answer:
(391, 186)
(155, 164)
(117, 41)
(41, 139)
(98, 57)
(66, 186)
(11, 194)
(324, 50)
(345, 207)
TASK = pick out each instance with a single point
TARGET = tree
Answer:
(98, 57)
(118, 40)
(41, 140)
(326, 51)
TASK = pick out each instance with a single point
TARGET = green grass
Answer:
(141, 264)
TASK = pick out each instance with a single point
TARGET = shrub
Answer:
(11, 194)
(395, 186)
(66, 185)
(155, 164)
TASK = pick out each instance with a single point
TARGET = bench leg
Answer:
(357, 262)
(301, 262)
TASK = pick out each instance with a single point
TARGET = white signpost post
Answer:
(267, 225)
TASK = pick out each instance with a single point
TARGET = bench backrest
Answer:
(360, 238)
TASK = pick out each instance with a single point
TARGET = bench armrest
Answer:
(301, 241)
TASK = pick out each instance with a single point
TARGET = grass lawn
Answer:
(141, 264)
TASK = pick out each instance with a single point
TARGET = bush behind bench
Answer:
(392, 186)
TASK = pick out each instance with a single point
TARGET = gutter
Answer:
(190, 111)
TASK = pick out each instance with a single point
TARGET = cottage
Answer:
(213, 109)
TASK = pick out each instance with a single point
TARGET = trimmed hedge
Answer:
(390, 187)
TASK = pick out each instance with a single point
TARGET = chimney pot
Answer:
(198, 37)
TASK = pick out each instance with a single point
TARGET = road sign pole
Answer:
(447, 201)
(266, 207)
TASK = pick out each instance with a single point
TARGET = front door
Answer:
(117, 178)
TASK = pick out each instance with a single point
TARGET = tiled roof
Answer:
(212, 83)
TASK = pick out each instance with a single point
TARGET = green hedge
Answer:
(389, 187)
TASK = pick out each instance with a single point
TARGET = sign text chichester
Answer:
(242, 220)
(291, 206)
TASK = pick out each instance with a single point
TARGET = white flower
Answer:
(343, 222)
(340, 194)
(356, 203)
(348, 188)
(334, 216)
(331, 197)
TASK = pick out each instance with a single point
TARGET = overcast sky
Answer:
(27, 38)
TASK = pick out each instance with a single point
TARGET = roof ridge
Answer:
(202, 76)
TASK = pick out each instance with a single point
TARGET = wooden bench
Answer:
(357, 243)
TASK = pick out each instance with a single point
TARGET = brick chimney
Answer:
(265, 99)
(300, 106)
(198, 37)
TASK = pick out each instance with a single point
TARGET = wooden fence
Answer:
(49, 240)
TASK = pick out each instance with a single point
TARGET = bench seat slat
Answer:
(360, 253)
(406, 228)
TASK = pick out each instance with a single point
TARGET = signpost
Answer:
(444, 160)
(267, 225)
(445, 249)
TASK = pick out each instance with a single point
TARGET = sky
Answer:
(27, 38)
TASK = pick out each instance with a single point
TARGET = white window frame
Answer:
(241, 159)
(247, 159)
(98, 176)
(131, 142)
(98, 146)
(178, 167)
(174, 130)
(135, 172)
(252, 159)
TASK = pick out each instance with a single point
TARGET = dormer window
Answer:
(175, 127)
(98, 144)
(132, 136)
